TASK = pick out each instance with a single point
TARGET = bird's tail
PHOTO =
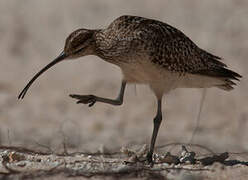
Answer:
(226, 75)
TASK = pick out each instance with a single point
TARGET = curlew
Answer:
(148, 52)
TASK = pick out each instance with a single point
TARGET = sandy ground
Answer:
(32, 33)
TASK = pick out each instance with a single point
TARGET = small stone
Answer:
(169, 159)
(21, 164)
(187, 157)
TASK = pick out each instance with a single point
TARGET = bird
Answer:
(148, 52)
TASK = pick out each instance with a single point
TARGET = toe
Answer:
(75, 96)
(92, 103)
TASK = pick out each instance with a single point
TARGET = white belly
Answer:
(161, 80)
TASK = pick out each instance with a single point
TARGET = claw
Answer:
(92, 103)
(85, 99)
(74, 96)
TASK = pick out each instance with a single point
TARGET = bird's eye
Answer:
(80, 49)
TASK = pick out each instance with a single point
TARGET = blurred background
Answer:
(32, 33)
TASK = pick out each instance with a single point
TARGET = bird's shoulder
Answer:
(145, 27)
(150, 32)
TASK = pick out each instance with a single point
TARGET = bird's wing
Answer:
(173, 50)
(165, 45)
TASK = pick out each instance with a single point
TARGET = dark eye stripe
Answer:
(80, 49)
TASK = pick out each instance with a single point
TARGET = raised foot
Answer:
(84, 99)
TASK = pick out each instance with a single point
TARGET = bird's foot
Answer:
(84, 99)
(149, 159)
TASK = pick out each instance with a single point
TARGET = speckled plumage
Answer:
(140, 44)
(165, 45)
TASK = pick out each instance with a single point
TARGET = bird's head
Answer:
(79, 43)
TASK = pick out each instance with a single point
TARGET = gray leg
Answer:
(156, 124)
(91, 99)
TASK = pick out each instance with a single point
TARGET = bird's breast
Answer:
(145, 72)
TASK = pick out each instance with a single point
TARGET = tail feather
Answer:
(225, 87)
(228, 81)
(220, 72)
(226, 75)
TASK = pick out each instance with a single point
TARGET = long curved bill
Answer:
(61, 57)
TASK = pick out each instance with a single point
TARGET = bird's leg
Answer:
(156, 124)
(91, 99)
